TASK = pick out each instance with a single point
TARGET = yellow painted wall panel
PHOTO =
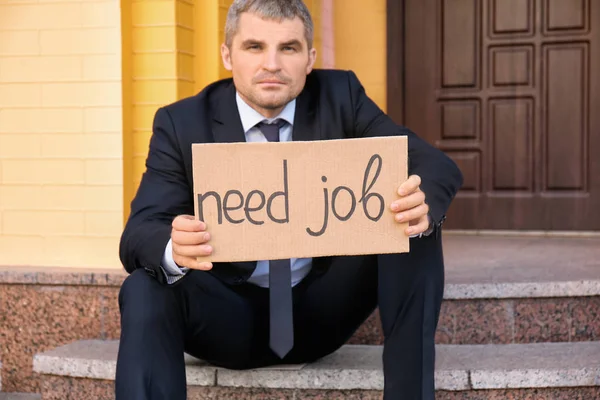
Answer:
(16, 249)
(85, 94)
(37, 16)
(60, 79)
(185, 14)
(153, 38)
(100, 14)
(40, 69)
(46, 223)
(65, 250)
(206, 43)
(19, 43)
(143, 116)
(20, 95)
(185, 40)
(139, 164)
(38, 171)
(221, 26)
(63, 197)
(103, 145)
(154, 65)
(156, 12)
(62, 145)
(106, 67)
(101, 119)
(78, 41)
(362, 50)
(103, 222)
(103, 198)
(185, 89)
(141, 141)
(20, 145)
(103, 172)
(185, 67)
(21, 197)
(46, 120)
(154, 92)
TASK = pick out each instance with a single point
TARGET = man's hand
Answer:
(189, 238)
(411, 206)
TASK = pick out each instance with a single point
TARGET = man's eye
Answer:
(289, 48)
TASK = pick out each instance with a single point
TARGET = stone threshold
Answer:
(356, 367)
(477, 267)
(58, 276)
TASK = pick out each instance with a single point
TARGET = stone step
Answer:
(515, 289)
(498, 290)
(554, 370)
(20, 396)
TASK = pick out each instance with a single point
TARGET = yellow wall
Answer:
(60, 133)
(360, 43)
(80, 82)
(158, 64)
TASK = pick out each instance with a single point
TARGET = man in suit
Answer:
(253, 314)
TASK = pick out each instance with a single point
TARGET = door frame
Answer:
(395, 60)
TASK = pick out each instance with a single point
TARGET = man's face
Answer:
(269, 61)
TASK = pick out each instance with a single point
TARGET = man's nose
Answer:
(271, 61)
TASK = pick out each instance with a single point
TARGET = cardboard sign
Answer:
(265, 201)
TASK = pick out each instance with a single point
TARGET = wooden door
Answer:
(510, 89)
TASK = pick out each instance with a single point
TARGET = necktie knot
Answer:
(271, 130)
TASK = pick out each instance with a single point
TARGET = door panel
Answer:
(510, 89)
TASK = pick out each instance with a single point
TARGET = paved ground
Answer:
(489, 259)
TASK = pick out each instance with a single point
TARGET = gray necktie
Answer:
(281, 321)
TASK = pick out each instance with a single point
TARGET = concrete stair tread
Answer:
(459, 367)
(20, 396)
(477, 267)
(496, 266)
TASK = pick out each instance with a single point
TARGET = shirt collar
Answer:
(250, 117)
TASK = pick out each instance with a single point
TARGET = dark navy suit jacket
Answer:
(332, 105)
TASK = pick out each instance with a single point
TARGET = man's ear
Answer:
(312, 57)
(226, 57)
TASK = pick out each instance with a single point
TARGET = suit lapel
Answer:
(226, 124)
(306, 125)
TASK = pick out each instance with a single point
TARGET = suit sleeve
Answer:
(440, 177)
(163, 193)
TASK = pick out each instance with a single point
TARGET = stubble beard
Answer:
(267, 103)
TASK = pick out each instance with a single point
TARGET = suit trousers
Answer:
(228, 326)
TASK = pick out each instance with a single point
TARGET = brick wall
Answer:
(80, 81)
(60, 133)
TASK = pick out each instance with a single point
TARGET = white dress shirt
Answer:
(250, 117)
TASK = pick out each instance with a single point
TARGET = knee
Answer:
(144, 302)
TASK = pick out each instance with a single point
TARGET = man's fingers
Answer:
(192, 263)
(188, 238)
(418, 228)
(408, 202)
(192, 251)
(413, 214)
(188, 223)
(410, 185)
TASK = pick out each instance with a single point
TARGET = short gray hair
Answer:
(269, 9)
